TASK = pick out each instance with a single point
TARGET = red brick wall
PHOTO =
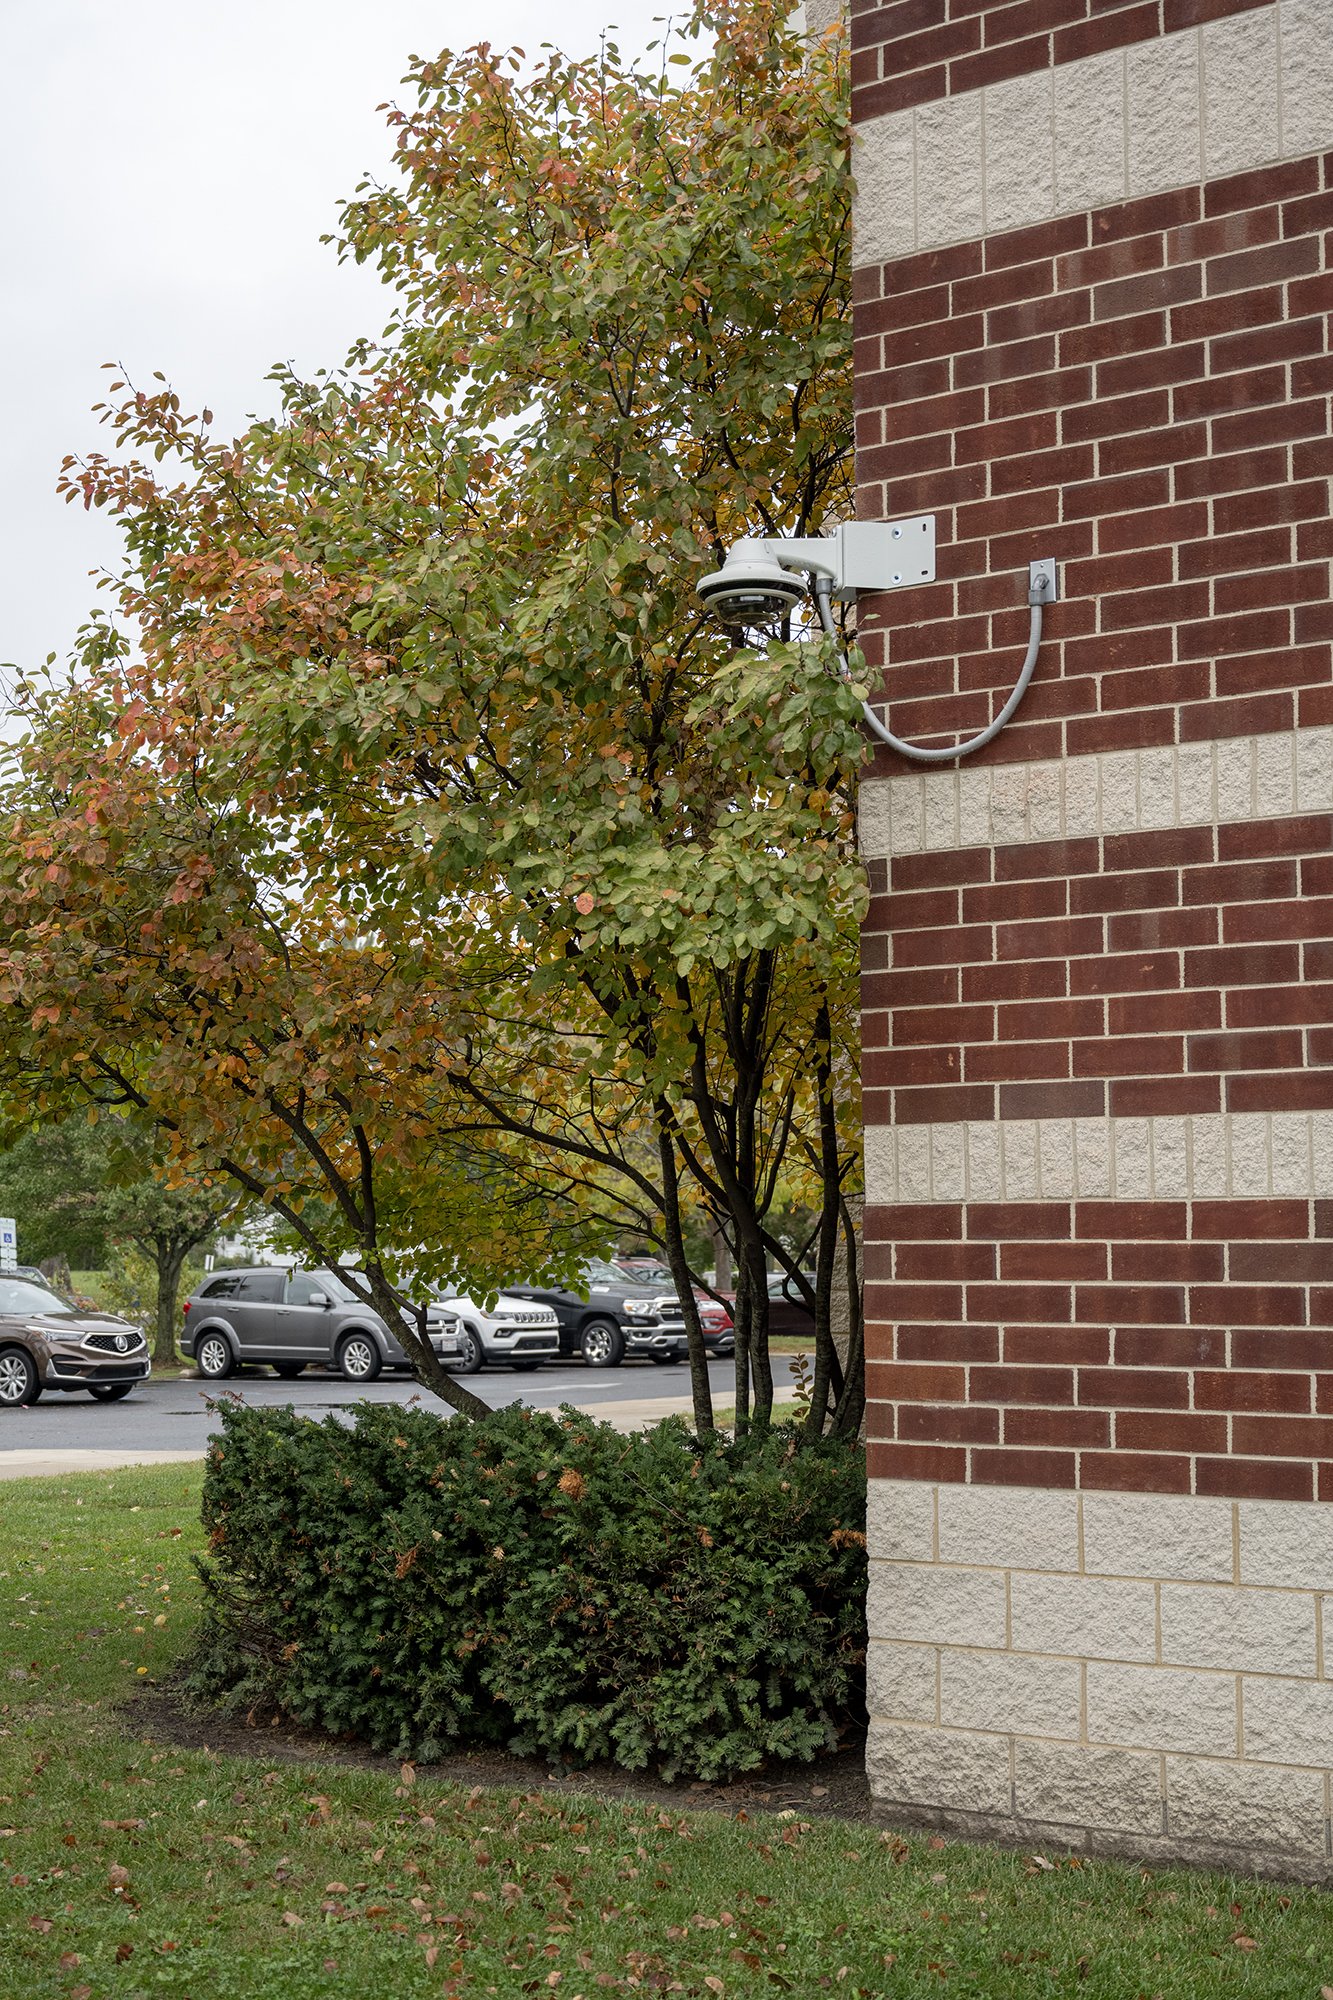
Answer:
(907, 52)
(1144, 393)
(1140, 975)
(1155, 1347)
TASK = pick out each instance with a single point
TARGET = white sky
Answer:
(167, 168)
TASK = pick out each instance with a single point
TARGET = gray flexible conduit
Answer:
(946, 755)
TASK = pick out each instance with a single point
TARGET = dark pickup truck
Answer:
(611, 1319)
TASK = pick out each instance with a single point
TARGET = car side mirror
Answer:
(320, 1299)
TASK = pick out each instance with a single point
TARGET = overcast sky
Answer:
(168, 167)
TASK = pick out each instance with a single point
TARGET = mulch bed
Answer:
(832, 1787)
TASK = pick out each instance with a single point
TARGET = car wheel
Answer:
(471, 1357)
(214, 1358)
(109, 1392)
(289, 1370)
(358, 1358)
(602, 1344)
(19, 1380)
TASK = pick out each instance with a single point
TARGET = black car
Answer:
(611, 1318)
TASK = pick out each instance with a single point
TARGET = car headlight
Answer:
(640, 1308)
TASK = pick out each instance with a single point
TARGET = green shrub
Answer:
(536, 1580)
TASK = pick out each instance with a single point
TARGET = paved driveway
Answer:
(170, 1418)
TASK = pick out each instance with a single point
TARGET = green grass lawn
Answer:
(130, 1869)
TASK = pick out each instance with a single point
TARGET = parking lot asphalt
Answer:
(171, 1417)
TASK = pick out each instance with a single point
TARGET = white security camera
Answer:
(761, 581)
(756, 585)
(751, 588)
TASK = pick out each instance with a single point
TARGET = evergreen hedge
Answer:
(541, 1581)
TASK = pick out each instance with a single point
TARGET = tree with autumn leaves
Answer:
(407, 846)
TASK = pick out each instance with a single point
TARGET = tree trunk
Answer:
(169, 1258)
(761, 1365)
(850, 1411)
(415, 1342)
(826, 1256)
(700, 1387)
(56, 1271)
(721, 1259)
(743, 1320)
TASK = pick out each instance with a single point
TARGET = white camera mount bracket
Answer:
(864, 555)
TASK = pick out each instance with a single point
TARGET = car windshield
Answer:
(599, 1273)
(21, 1296)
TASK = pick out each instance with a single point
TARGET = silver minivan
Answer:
(292, 1319)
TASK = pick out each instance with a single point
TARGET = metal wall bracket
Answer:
(1044, 581)
(886, 555)
(865, 555)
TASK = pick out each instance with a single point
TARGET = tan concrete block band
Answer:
(1104, 1667)
(1209, 1157)
(1224, 98)
(1228, 783)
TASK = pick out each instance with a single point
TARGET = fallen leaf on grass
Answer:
(290, 1918)
(124, 1951)
(42, 1924)
(80, 1993)
(1038, 1865)
(1245, 1943)
(69, 1961)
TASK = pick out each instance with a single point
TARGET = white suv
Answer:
(514, 1331)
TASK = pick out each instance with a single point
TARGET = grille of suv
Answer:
(105, 1343)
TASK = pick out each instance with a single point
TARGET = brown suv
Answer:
(47, 1343)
